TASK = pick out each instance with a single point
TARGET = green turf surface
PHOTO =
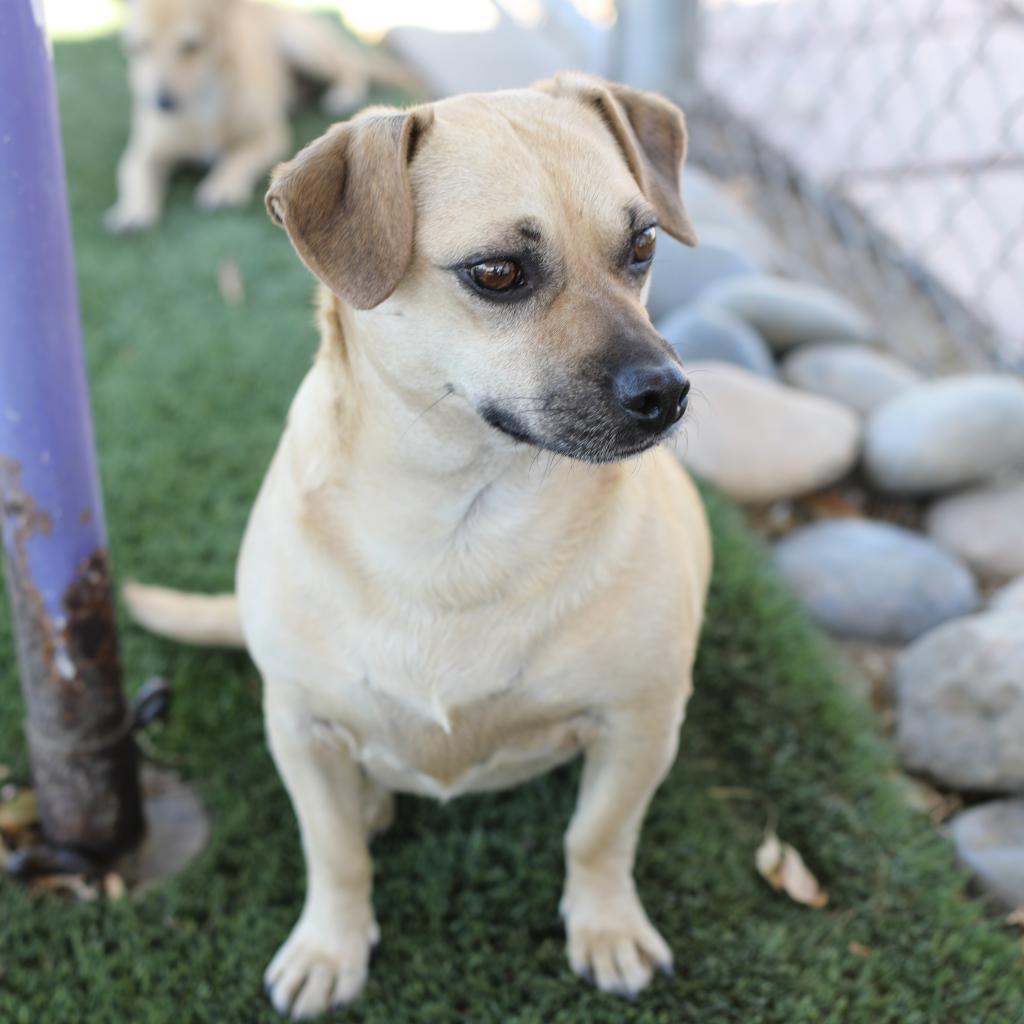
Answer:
(189, 397)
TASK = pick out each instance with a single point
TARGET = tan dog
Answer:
(212, 82)
(437, 606)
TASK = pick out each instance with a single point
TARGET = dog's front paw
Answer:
(339, 100)
(612, 943)
(319, 967)
(221, 191)
(123, 218)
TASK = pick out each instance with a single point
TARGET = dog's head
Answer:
(175, 51)
(507, 239)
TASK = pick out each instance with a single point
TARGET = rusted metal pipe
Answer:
(83, 757)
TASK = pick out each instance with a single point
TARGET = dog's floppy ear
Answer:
(347, 205)
(650, 131)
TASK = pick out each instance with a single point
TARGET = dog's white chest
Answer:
(451, 712)
(437, 708)
(467, 759)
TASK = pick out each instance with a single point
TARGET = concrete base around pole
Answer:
(177, 831)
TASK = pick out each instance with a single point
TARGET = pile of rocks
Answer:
(896, 502)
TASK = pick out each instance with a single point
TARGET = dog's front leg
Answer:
(141, 183)
(235, 174)
(324, 962)
(610, 939)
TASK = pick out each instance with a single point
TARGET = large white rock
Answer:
(874, 581)
(960, 703)
(721, 220)
(989, 839)
(680, 273)
(1009, 597)
(753, 240)
(708, 201)
(947, 433)
(859, 377)
(985, 527)
(759, 441)
(789, 313)
(701, 333)
(507, 56)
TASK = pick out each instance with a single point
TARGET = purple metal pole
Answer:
(84, 759)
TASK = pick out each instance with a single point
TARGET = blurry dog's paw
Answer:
(219, 191)
(343, 99)
(319, 967)
(123, 218)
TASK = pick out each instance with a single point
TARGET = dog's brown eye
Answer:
(643, 245)
(497, 275)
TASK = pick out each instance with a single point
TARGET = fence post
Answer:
(83, 758)
(657, 46)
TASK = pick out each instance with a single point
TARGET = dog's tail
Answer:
(206, 620)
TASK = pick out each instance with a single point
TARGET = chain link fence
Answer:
(883, 142)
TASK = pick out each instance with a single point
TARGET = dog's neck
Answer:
(422, 485)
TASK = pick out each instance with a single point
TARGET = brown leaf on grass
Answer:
(19, 812)
(782, 867)
(230, 282)
(768, 859)
(73, 885)
(832, 505)
(859, 949)
(922, 797)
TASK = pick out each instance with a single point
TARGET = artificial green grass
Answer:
(189, 397)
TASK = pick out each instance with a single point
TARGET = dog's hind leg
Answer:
(316, 49)
(324, 962)
(234, 176)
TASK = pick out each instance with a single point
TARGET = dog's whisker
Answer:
(449, 391)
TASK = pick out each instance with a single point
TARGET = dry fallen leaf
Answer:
(922, 797)
(230, 282)
(832, 505)
(782, 867)
(859, 949)
(75, 885)
(19, 811)
(769, 858)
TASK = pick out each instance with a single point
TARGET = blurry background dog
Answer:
(212, 82)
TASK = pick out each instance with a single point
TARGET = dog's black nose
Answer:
(166, 100)
(653, 394)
